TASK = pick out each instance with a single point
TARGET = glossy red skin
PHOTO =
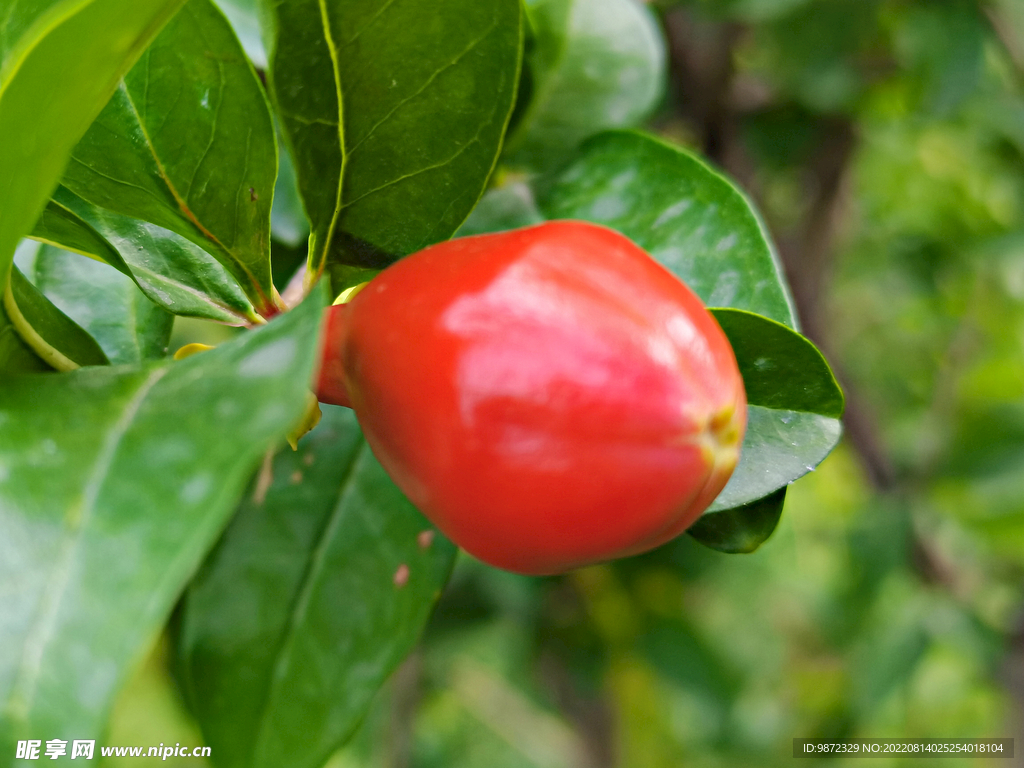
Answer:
(545, 396)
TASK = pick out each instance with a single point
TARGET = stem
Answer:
(49, 354)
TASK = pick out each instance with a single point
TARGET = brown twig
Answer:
(591, 716)
(405, 699)
(1007, 39)
(702, 69)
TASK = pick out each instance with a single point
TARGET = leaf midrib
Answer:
(303, 595)
(332, 48)
(183, 204)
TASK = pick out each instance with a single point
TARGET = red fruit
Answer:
(549, 397)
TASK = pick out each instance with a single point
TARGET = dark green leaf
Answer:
(289, 262)
(288, 221)
(15, 355)
(507, 207)
(740, 530)
(59, 62)
(343, 276)
(114, 484)
(106, 304)
(321, 585)
(395, 112)
(54, 336)
(780, 368)
(173, 272)
(187, 143)
(686, 215)
(595, 65)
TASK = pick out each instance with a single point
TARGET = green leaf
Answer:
(595, 65)
(794, 406)
(106, 304)
(780, 368)
(115, 482)
(319, 588)
(779, 447)
(54, 336)
(740, 530)
(686, 215)
(395, 112)
(61, 227)
(59, 62)
(173, 272)
(187, 143)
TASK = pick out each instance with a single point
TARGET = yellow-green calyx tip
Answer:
(310, 419)
(191, 349)
(349, 293)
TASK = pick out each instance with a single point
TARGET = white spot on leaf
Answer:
(269, 360)
(672, 212)
(196, 489)
(727, 242)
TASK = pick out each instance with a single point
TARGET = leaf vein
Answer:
(116, 180)
(213, 133)
(429, 81)
(368, 24)
(309, 120)
(442, 164)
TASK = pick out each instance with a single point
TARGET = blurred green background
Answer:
(883, 141)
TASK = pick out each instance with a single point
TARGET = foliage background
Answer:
(884, 141)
